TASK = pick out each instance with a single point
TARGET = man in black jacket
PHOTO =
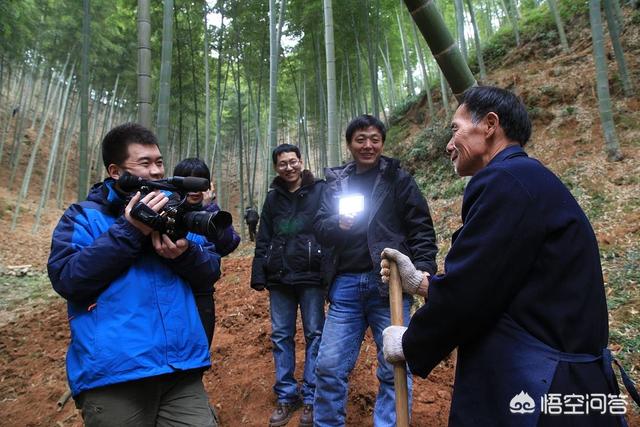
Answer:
(287, 262)
(251, 217)
(369, 204)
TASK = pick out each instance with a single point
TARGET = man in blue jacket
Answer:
(370, 203)
(521, 295)
(137, 344)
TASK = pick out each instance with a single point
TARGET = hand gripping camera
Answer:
(177, 217)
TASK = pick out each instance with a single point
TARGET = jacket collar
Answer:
(386, 167)
(508, 153)
(307, 180)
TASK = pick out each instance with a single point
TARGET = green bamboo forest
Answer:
(228, 81)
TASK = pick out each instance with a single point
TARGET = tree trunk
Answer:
(194, 83)
(53, 154)
(602, 83)
(240, 144)
(144, 64)
(371, 55)
(274, 55)
(26, 179)
(614, 34)
(179, 70)
(217, 160)
(207, 105)
(62, 176)
(513, 18)
(442, 45)
(164, 94)
(407, 60)
(445, 97)
(83, 143)
(476, 38)
(459, 10)
(553, 7)
(423, 67)
(332, 125)
(390, 82)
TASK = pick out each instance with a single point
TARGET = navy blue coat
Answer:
(522, 292)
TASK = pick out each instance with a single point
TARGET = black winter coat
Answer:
(287, 252)
(399, 217)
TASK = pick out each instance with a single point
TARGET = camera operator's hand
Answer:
(155, 200)
(345, 222)
(166, 248)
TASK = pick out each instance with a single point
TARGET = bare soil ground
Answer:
(34, 332)
(33, 344)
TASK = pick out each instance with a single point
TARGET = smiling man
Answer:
(521, 295)
(288, 262)
(370, 203)
(137, 347)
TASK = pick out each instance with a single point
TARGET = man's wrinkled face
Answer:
(289, 167)
(467, 147)
(366, 147)
(144, 161)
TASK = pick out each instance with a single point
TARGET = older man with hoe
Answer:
(521, 295)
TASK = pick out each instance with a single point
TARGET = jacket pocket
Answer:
(303, 254)
(314, 256)
(275, 258)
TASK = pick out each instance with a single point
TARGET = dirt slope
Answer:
(33, 346)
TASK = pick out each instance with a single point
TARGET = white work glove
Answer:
(410, 277)
(392, 343)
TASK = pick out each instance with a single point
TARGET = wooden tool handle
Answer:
(399, 368)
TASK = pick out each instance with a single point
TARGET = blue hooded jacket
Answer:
(132, 313)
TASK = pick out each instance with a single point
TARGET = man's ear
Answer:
(114, 171)
(493, 121)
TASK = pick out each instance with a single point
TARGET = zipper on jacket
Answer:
(309, 242)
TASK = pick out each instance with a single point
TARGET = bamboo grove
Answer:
(228, 80)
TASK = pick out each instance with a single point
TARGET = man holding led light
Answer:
(370, 203)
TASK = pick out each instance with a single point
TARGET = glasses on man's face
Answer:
(293, 163)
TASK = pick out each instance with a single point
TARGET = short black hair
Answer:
(192, 166)
(116, 142)
(514, 119)
(284, 148)
(363, 122)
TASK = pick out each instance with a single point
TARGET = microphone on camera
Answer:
(128, 183)
(188, 183)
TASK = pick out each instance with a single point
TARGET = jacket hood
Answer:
(307, 180)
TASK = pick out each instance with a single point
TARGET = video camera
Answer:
(177, 217)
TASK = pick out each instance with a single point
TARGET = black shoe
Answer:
(283, 413)
(306, 419)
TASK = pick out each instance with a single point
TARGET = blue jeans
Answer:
(356, 303)
(283, 303)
